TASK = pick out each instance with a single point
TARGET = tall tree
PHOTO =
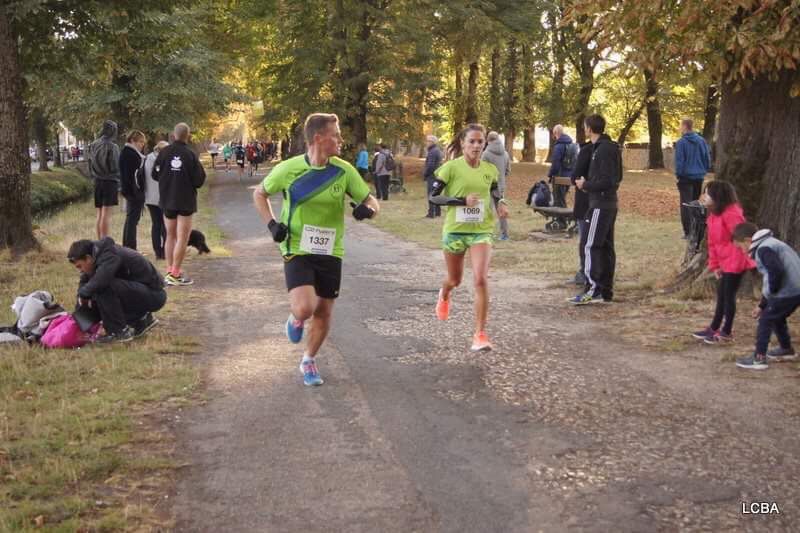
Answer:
(654, 124)
(754, 49)
(16, 231)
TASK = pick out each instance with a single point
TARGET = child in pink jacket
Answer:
(726, 260)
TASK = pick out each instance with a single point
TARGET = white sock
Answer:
(306, 358)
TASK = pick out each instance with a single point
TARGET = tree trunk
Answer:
(354, 68)
(58, 160)
(757, 145)
(511, 98)
(629, 123)
(16, 232)
(585, 92)
(528, 122)
(495, 114)
(458, 110)
(529, 145)
(654, 126)
(297, 144)
(471, 111)
(710, 119)
(119, 108)
(39, 126)
(556, 104)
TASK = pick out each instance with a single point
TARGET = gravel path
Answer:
(561, 427)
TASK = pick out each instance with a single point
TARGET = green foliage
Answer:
(56, 188)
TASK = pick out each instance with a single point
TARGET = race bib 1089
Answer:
(472, 214)
(316, 240)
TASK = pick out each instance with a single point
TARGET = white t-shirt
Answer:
(213, 148)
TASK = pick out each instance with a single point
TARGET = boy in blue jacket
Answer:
(780, 266)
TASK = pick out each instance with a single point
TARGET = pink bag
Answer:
(64, 332)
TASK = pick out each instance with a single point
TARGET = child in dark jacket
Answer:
(779, 264)
(725, 259)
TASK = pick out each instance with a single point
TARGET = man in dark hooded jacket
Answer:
(605, 175)
(691, 164)
(103, 156)
(124, 287)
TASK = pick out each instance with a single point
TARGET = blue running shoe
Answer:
(294, 329)
(587, 298)
(310, 373)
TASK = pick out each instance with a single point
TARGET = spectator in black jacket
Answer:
(131, 182)
(433, 160)
(125, 287)
(179, 174)
(605, 175)
(581, 208)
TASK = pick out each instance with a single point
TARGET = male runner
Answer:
(311, 229)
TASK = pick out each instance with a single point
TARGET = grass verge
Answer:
(83, 440)
(648, 245)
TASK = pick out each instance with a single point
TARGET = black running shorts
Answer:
(323, 272)
(173, 214)
(106, 193)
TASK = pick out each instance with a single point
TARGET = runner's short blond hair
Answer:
(316, 123)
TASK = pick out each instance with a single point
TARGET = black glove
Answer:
(278, 230)
(361, 211)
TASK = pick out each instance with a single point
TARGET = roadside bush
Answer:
(56, 188)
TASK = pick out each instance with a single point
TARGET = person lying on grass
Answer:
(123, 286)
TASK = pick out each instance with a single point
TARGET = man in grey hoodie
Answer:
(103, 156)
(496, 154)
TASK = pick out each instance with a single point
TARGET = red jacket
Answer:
(722, 253)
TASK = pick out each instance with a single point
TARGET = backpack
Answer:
(389, 164)
(64, 332)
(32, 308)
(570, 156)
(539, 195)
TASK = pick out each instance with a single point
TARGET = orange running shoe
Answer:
(480, 342)
(442, 307)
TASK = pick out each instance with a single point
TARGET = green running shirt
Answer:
(314, 200)
(460, 181)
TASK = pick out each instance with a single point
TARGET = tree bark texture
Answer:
(354, 70)
(528, 121)
(471, 111)
(16, 232)
(495, 114)
(758, 151)
(458, 109)
(39, 127)
(654, 125)
(529, 145)
(511, 96)
(585, 92)
(710, 119)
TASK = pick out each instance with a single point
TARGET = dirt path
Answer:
(559, 428)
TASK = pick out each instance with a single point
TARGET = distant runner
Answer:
(468, 186)
(311, 229)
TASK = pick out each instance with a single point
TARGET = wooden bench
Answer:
(553, 215)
